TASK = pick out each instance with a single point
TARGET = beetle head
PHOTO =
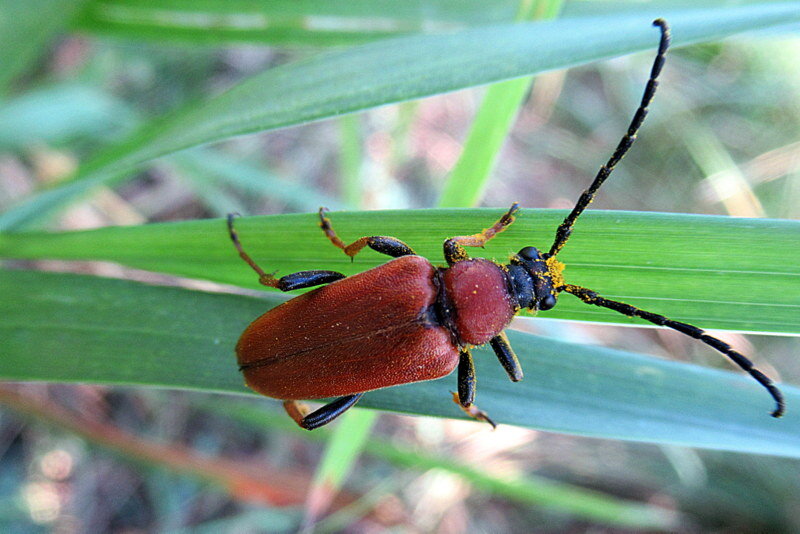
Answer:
(534, 278)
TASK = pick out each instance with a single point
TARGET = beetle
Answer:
(408, 320)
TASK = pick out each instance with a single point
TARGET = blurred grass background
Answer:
(721, 139)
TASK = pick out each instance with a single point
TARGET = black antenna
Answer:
(590, 297)
(565, 229)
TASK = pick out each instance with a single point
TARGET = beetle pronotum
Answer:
(408, 321)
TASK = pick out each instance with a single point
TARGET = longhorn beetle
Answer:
(407, 321)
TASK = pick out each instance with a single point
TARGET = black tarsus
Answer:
(565, 229)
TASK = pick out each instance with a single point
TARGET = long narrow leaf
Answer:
(61, 113)
(309, 23)
(501, 103)
(295, 22)
(60, 327)
(390, 71)
(252, 179)
(716, 272)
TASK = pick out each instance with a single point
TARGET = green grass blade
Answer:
(59, 114)
(390, 71)
(251, 179)
(716, 272)
(467, 181)
(69, 328)
(26, 28)
(330, 23)
(346, 443)
(206, 186)
(286, 22)
(350, 160)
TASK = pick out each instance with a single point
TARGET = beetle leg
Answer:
(466, 388)
(296, 410)
(590, 297)
(466, 379)
(473, 411)
(391, 246)
(289, 282)
(265, 279)
(507, 357)
(454, 247)
(299, 411)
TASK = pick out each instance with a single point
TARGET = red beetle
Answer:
(408, 321)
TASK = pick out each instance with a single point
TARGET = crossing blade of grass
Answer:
(501, 103)
(529, 490)
(225, 169)
(390, 71)
(205, 185)
(347, 441)
(467, 181)
(26, 28)
(70, 328)
(350, 160)
(720, 170)
(716, 272)
(61, 113)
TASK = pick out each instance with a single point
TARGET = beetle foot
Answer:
(296, 410)
(473, 411)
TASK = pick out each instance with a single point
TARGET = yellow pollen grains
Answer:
(555, 268)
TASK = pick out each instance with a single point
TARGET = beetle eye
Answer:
(548, 302)
(529, 253)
